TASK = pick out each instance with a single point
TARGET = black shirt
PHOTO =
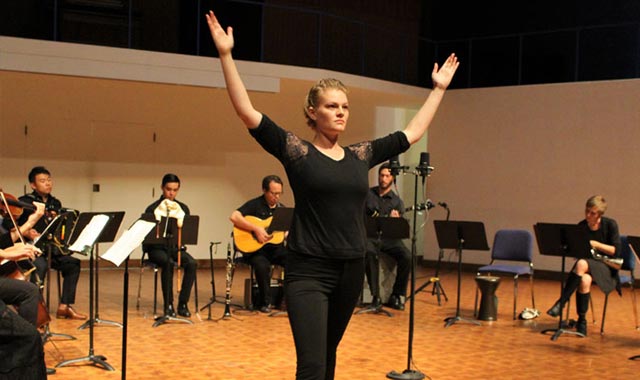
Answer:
(329, 194)
(52, 204)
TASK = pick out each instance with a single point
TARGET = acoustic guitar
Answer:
(247, 243)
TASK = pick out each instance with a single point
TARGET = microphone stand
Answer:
(409, 373)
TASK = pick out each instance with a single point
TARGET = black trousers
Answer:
(166, 261)
(399, 252)
(22, 294)
(261, 262)
(21, 352)
(68, 266)
(321, 295)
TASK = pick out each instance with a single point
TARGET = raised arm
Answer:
(441, 79)
(235, 88)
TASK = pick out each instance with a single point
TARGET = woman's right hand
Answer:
(223, 40)
(19, 251)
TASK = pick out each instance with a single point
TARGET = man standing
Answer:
(269, 254)
(383, 202)
(68, 266)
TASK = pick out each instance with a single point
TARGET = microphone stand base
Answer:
(406, 374)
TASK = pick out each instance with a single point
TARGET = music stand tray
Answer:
(380, 228)
(459, 235)
(564, 240)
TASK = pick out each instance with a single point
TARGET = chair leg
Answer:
(59, 286)
(604, 313)
(593, 310)
(533, 299)
(139, 285)
(515, 296)
(475, 304)
(635, 306)
(155, 291)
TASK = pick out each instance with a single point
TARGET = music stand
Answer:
(213, 299)
(460, 235)
(107, 236)
(382, 228)
(44, 242)
(94, 231)
(169, 238)
(564, 240)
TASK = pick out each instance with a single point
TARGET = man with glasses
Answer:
(269, 254)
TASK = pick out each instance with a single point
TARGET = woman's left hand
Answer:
(442, 76)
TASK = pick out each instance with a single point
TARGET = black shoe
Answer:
(265, 309)
(581, 326)
(555, 310)
(396, 302)
(51, 371)
(376, 303)
(183, 310)
(169, 311)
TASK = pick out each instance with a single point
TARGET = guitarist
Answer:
(270, 254)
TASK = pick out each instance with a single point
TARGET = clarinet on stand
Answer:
(229, 280)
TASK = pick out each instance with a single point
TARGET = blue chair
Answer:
(626, 278)
(511, 246)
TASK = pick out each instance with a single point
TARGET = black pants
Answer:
(165, 262)
(68, 266)
(397, 250)
(22, 294)
(321, 296)
(21, 353)
(261, 262)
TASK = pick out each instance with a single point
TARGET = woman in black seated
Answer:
(604, 238)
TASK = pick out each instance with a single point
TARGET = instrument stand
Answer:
(213, 298)
(47, 334)
(409, 373)
(437, 289)
(565, 240)
(107, 236)
(188, 235)
(460, 235)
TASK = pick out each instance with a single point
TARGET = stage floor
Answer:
(257, 346)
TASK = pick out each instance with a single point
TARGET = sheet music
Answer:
(90, 234)
(130, 240)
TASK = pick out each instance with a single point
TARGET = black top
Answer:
(377, 205)
(52, 204)
(607, 233)
(149, 210)
(257, 207)
(329, 194)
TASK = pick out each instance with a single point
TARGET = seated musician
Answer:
(67, 265)
(604, 238)
(381, 201)
(166, 256)
(21, 351)
(269, 254)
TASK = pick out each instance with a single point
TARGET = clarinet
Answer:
(229, 281)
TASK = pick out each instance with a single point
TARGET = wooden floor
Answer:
(257, 346)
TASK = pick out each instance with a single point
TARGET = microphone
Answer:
(423, 167)
(428, 205)
(443, 204)
(394, 165)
